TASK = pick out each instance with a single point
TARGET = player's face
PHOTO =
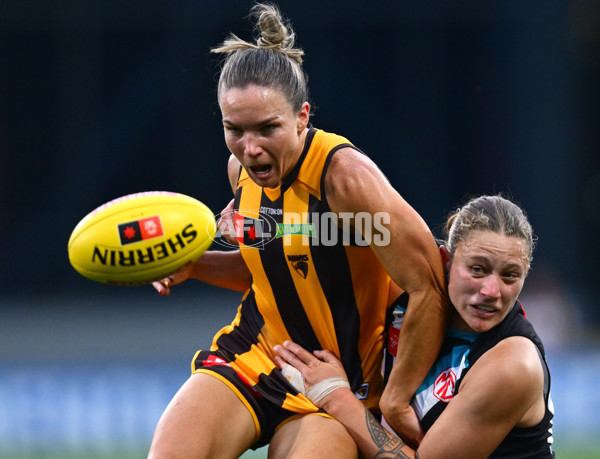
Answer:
(485, 277)
(263, 132)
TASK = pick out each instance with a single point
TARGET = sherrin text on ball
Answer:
(141, 237)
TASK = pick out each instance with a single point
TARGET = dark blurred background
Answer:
(104, 98)
(99, 99)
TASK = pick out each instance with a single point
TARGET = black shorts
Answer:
(265, 408)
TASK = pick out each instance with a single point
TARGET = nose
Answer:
(251, 145)
(490, 286)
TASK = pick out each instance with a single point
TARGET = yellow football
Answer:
(141, 237)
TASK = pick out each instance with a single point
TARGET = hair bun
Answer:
(273, 32)
(270, 60)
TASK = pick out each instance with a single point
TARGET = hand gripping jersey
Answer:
(312, 282)
(459, 352)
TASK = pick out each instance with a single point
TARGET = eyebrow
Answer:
(516, 266)
(484, 259)
(260, 123)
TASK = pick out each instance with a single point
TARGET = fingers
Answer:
(299, 352)
(329, 357)
(163, 286)
(229, 207)
(285, 357)
(226, 224)
(226, 228)
(278, 360)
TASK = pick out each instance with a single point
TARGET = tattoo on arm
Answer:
(390, 446)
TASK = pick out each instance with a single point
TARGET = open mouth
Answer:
(262, 170)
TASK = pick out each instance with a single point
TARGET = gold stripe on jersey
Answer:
(335, 299)
(311, 171)
(309, 288)
(252, 363)
(251, 199)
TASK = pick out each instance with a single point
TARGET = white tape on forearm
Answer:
(322, 389)
(294, 377)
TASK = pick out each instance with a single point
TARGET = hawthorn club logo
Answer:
(299, 263)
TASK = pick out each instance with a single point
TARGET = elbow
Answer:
(243, 286)
(391, 402)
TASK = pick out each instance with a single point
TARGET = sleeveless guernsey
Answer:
(459, 353)
(312, 283)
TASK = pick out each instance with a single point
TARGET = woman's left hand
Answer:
(322, 371)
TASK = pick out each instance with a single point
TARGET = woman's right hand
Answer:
(226, 224)
(163, 286)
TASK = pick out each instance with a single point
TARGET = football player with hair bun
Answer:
(301, 281)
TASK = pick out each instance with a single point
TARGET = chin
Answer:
(268, 184)
(480, 326)
(270, 181)
(472, 324)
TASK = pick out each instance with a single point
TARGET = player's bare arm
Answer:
(502, 390)
(219, 268)
(372, 439)
(355, 184)
(320, 369)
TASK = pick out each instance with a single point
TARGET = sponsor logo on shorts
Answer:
(214, 361)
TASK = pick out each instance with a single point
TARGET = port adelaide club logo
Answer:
(444, 385)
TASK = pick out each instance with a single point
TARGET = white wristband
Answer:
(320, 390)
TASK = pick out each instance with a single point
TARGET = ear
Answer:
(303, 116)
(446, 257)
